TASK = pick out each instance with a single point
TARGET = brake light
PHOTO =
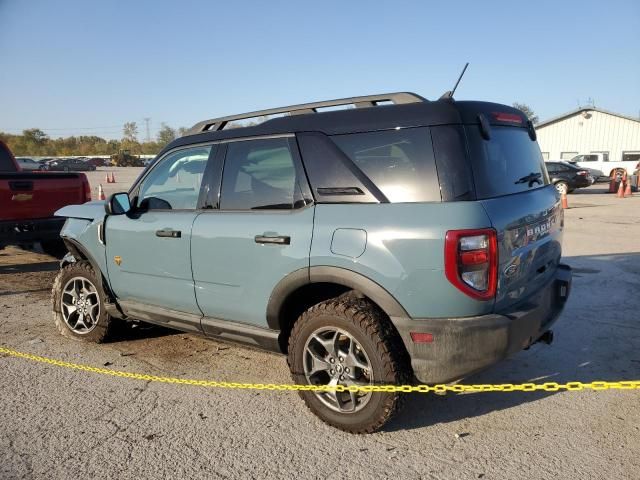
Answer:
(471, 261)
(583, 173)
(507, 117)
(86, 188)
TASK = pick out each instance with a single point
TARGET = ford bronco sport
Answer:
(395, 240)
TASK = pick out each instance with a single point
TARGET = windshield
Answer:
(509, 162)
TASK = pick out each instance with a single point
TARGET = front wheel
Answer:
(349, 342)
(562, 188)
(78, 304)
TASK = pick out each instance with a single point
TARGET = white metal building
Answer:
(590, 130)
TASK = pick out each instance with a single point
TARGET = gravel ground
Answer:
(60, 424)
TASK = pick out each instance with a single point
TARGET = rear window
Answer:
(6, 164)
(510, 162)
(399, 162)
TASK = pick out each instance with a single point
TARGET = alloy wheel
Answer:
(334, 357)
(80, 305)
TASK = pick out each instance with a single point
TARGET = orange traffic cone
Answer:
(101, 193)
(620, 193)
(106, 178)
(113, 177)
(565, 203)
(627, 190)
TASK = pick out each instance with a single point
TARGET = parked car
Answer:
(28, 164)
(597, 175)
(567, 177)
(29, 200)
(69, 165)
(600, 161)
(97, 162)
(371, 245)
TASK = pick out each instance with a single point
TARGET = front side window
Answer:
(259, 174)
(399, 162)
(174, 183)
(605, 156)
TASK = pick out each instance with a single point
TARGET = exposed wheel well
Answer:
(308, 295)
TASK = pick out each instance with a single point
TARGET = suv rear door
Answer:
(512, 184)
(258, 232)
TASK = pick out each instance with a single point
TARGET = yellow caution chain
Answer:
(505, 387)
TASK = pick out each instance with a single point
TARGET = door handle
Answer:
(168, 233)
(278, 240)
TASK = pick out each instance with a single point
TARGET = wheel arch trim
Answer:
(334, 275)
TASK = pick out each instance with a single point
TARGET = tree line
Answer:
(35, 142)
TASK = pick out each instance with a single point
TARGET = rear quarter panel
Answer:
(404, 251)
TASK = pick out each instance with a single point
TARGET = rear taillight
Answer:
(86, 188)
(471, 261)
(583, 173)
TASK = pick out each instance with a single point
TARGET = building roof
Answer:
(580, 110)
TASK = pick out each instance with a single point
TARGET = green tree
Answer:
(527, 110)
(130, 132)
(166, 134)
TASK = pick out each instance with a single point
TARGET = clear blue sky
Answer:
(73, 67)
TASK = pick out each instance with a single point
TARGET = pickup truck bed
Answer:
(28, 201)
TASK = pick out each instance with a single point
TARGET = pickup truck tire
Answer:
(78, 304)
(332, 343)
(54, 248)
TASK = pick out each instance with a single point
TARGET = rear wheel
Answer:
(562, 188)
(78, 304)
(349, 342)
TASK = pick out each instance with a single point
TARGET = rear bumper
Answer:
(462, 346)
(18, 232)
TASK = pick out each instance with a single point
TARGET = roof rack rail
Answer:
(358, 102)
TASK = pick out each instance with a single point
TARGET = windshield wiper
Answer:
(530, 179)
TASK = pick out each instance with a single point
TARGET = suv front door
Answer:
(149, 249)
(258, 233)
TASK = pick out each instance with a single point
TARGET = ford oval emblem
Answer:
(510, 270)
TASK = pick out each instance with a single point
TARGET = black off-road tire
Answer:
(374, 332)
(105, 324)
(54, 248)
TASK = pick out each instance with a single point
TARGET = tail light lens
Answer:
(86, 188)
(583, 173)
(471, 261)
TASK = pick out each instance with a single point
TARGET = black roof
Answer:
(354, 120)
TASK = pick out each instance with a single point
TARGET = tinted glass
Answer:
(399, 162)
(259, 174)
(590, 158)
(631, 156)
(175, 182)
(6, 165)
(510, 162)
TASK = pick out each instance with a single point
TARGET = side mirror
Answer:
(118, 204)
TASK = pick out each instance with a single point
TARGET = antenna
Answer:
(449, 95)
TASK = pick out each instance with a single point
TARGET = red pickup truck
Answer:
(28, 201)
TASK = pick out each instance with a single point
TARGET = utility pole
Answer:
(146, 121)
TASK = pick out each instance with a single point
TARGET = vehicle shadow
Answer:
(131, 332)
(597, 338)
(29, 267)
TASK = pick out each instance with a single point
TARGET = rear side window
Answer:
(6, 165)
(399, 162)
(510, 162)
(259, 174)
